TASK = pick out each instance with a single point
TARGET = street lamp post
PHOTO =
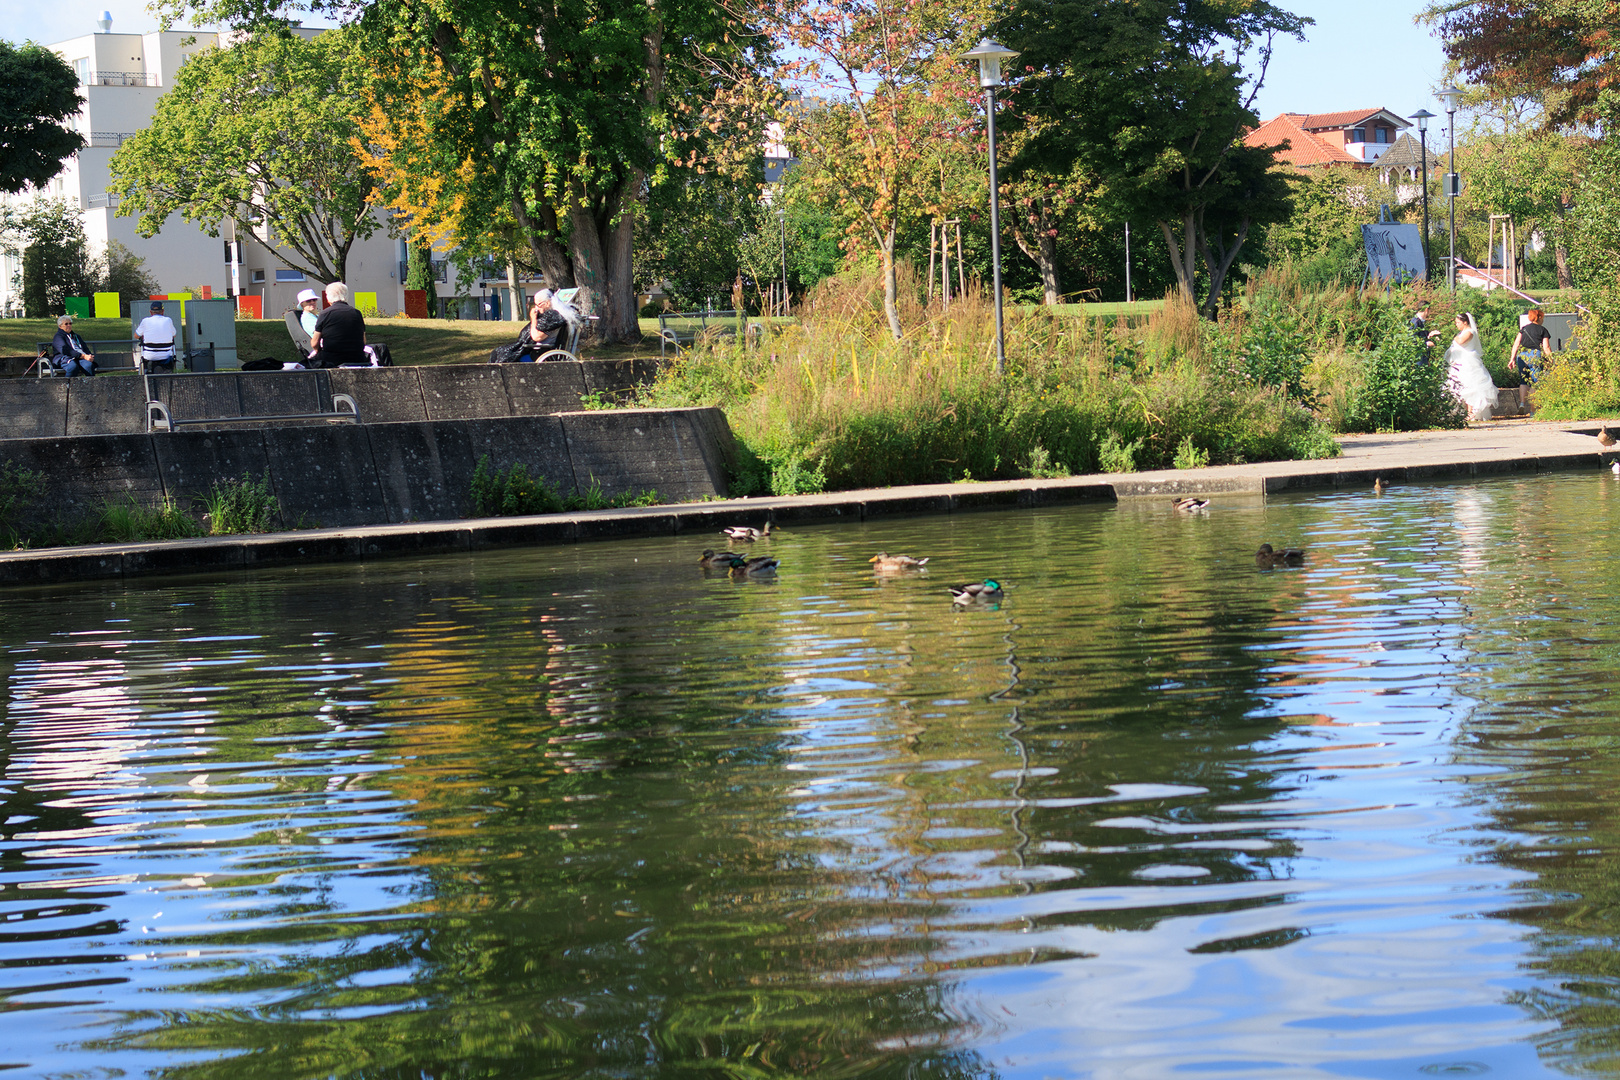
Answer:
(1450, 96)
(990, 54)
(781, 216)
(1423, 116)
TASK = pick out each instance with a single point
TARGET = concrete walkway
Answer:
(1483, 449)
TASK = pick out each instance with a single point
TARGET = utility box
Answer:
(211, 325)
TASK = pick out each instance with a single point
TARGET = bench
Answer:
(122, 359)
(683, 329)
(165, 420)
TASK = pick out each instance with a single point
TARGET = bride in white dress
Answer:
(1467, 376)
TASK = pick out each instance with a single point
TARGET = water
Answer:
(589, 812)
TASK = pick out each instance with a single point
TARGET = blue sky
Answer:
(1364, 54)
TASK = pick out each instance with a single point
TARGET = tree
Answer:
(119, 270)
(1151, 99)
(38, 91)
(1565, 51)
(261, 133)
(49, 236)
(893, 101)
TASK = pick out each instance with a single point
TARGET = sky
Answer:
(1367, 54)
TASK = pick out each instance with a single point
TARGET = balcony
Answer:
(113, 139)
(102, 200)
(440, 270)
(122, 78)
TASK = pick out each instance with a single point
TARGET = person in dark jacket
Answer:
(69, 354)
(1530, 347)
(340, 332)
(545, 328)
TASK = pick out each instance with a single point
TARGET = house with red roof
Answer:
(1358, 137)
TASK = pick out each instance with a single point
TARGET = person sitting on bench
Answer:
(156, 335)
(340, 332)
(69, 354)
(309, 310)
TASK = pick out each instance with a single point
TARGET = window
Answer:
(289, 275)
(258, 277)
(1383, 135)
(1358, 134)
(81, 67)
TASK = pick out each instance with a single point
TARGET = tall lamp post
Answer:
(1450, 96)
(1423, 116)
(781, 216)
(990, 54)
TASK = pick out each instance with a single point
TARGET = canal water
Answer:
(593, 812)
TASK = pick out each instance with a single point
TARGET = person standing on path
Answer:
(1530, 347)
(1467, 376)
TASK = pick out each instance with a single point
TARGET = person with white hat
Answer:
(310, 302)
(156, 333)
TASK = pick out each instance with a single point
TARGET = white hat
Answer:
(308, 294)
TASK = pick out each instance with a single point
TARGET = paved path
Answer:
(1502, 446)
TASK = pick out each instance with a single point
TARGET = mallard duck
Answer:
(1615, 468)
(758, 566)
(984, 593)
(892, 564)
(744, 533)
(1603, 436)
(1266, 557)
(1190, 505)
(720, 561)
(1379, 486)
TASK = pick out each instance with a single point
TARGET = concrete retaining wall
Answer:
(111, 405)
(343, 475)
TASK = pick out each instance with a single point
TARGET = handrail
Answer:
(1509, 288)
(167, 422)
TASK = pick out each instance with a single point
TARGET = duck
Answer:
(758, 566)
(720, 561)
(1603, 436)
(746, 534)
(1266, 557)
(987, 592)
(1190, 505)
(1615, 468)
(1379, 486)
(889, 564)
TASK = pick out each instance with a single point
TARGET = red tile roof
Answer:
(1331, 120)
(1304, 149)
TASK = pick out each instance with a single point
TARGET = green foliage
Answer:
(512, 492)
(1114, 455)
(49, 233)
(262, 132)
(133, 522)
(119, 270)
(40, 92)
(1268, 348)
(1188, 456)
(242, 506)
(419, 268)
(1040, 466)
(835, 403)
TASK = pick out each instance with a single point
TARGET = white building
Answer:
(120, 78)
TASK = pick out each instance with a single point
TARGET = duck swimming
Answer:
(893, 564)
(1266, 557)
(746, 534)
(988, 591)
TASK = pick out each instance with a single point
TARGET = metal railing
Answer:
(440, 270)
(101, 200)
(110, 138)
(122, 78)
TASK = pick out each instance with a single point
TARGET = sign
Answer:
(1394, 252)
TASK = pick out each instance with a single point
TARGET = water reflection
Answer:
(591, 812)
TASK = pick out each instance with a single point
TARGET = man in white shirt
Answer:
(156, 335)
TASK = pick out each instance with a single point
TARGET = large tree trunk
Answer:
(1218, 262)
(600, 243)
(545, 242)
(1043, 253)
(1182, 255)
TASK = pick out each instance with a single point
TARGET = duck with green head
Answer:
(986, 592)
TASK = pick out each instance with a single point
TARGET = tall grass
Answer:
(835, 402)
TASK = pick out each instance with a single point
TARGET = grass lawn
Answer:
(413, 341)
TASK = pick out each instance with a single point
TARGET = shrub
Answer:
(1115, 455)
(21, 491)
(1189, 456)
(132, 522)
(242, 506)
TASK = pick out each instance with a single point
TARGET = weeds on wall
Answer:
(21, 491)
(513, 492)
(241, 506)
(130, 522)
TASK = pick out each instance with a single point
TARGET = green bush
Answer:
(130, 522)
(241, 506)
(1189, 456)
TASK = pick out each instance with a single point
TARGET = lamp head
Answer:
(1423, 116)
(989, 54)
(1449, 97)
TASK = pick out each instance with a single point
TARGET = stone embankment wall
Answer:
(111, 404)
(412, 458)
(340, 475)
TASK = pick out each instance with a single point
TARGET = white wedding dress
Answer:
(1467, 376)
